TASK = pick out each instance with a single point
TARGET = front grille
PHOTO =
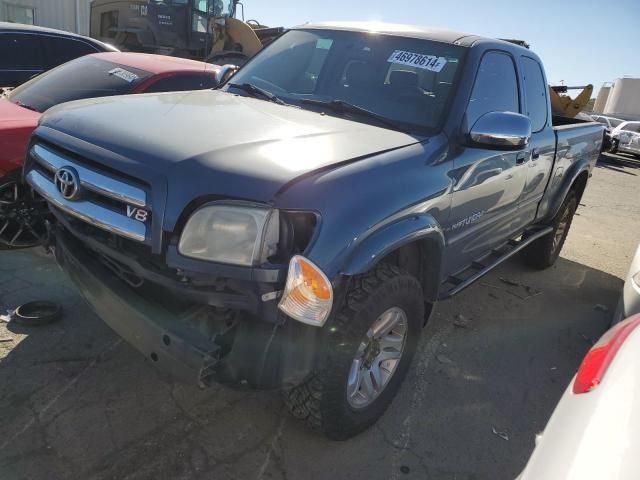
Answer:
(104, 201)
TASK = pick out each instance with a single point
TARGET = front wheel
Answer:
(369, 347)
(22, 215)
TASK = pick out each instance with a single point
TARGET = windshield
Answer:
(85, 77)
(615, 122)
(219, 8)
(406, 80)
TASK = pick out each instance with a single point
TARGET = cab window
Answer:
(536, 92)
(20, 52)
(495, 88)
(59, 50)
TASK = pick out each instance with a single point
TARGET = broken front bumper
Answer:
(253, 353)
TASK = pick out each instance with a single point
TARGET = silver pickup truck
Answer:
(294, 228)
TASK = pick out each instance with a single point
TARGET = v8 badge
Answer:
(137, 213)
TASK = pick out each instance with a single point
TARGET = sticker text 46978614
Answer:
(418, 60)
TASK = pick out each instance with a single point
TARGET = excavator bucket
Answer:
(565, 106)
(236, 40)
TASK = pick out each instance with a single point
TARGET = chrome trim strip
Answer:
(88, 212)
(91, 180)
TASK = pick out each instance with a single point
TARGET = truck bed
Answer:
(560, 121)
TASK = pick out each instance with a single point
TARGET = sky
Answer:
(580, 42)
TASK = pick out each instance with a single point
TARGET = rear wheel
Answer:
(544, 252)
(368, 350)
(22, 215)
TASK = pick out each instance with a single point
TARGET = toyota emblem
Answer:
(67, 182)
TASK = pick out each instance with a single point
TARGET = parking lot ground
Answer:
(77, 402)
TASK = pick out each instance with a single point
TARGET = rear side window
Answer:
(20, 52)
(496, 87)
(179, 83)
(60, 50)
(631, 127)
(536, 92)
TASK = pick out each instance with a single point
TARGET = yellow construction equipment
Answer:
(199, 29)
(565, 106)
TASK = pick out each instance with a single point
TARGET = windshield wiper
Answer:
(341, 106)
(255, 90)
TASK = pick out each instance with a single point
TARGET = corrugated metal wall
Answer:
(60, 14)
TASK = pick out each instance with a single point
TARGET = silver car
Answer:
(626, 138)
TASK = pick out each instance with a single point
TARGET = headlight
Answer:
(236, 234)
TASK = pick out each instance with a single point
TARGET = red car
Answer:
(97, 75)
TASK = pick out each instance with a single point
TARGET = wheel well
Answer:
(579, 184)
(420, 258)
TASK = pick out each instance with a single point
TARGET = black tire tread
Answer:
(539, 254)
(309, 401)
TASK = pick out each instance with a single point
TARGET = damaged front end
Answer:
(202, 317)
(223, 332)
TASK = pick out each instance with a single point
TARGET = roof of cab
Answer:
(156, 64)
(411, 31)
(21, 27)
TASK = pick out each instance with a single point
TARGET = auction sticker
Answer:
(418, 60)
(124, 74)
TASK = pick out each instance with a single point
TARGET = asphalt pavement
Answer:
(76, 402)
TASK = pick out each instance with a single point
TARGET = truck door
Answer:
(487, 183)
(539, 161)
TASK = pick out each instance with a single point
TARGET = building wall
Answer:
(69, 15)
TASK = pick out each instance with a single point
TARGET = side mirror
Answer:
(225, 73)
(505, 130)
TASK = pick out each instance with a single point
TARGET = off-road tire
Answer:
(321, 400)
(544, 252)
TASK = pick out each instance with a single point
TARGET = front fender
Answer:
(422, 228)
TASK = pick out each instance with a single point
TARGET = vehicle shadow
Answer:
(77, 402)
(619, 162)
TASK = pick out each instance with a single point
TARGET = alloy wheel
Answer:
(377, 358)
(22, 215)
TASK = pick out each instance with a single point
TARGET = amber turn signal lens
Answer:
(308, 294)
(315, 280)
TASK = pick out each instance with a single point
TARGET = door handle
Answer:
(535, 154)
(521, 157)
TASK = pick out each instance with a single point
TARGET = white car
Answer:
(626, 138)
(629, 303)
(609, 122)
(594, 432)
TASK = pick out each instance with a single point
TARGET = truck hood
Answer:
(212, 143)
